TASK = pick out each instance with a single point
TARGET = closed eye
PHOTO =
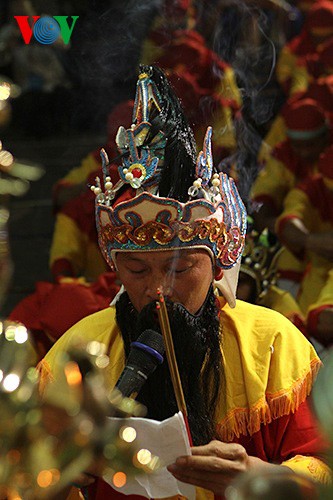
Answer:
(137, 271)
(181, 270)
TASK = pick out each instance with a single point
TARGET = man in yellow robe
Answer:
(172, 224)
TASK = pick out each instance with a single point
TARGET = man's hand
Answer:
(215, 465)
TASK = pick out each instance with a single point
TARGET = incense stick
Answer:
(171, 357)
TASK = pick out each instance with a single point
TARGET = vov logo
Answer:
(46, 29)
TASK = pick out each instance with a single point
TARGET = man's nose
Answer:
(158, 282)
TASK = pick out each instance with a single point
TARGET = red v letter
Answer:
(25, 28)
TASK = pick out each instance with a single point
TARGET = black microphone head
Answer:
(147, 351)
(144, 356)
(152, 339)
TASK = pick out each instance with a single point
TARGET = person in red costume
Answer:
(171, 221)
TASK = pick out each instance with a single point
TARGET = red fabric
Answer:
(302, 44)
(285, 154)
(287, 436)
(188, 50)
(321, 90)
(325, 53)
(296, 276)
(320, 64)
(320, 16)
(176, 9)
(62, 267)
(325, 163)
(304, 115)
(319, 196)
(266, 199)
(313, 317)
(53, 308)
(297, 320)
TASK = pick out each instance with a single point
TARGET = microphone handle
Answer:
(131, 382)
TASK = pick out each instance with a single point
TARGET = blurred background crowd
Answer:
(260, 72)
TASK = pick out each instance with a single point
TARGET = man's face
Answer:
(184, 276)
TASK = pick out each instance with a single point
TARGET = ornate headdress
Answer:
(165, 198)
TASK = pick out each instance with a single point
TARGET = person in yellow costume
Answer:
(172, 223)
(291, 161)
(306, 227)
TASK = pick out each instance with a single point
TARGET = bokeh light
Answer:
(143, 456)
(102, 361)
(44, 478)
(96, 348)
(11, 382)
(4, 91)
(21, 334)
(128, 434)
(73, 374)
(119, 479)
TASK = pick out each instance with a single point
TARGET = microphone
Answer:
(145, 354)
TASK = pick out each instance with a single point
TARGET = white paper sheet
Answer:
(167, 440)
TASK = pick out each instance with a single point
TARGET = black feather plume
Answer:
(178, 171)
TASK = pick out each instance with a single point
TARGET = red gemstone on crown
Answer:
(137, 173)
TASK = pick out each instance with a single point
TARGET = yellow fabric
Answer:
(300, 80)
(80, 173)
(228, 87)
(269, 368)
(276, 134)
(325, 297)
(274, 180)
(224, 130)
(298, 204)
(70, 243)
(281, 301)
(314, 467)
(313, 282)
(285, 65)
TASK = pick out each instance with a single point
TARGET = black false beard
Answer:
(197, 346)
